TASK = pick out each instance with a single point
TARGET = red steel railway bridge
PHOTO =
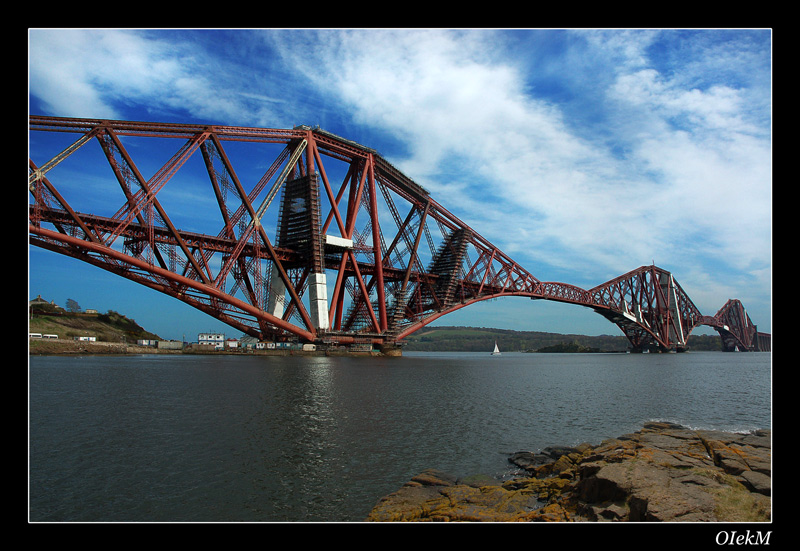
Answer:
(302, 235)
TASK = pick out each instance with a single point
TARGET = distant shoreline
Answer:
(483, 339)
(60, 347)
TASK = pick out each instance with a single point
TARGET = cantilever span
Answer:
(309, 236)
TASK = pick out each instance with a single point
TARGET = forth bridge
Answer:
(329, 244)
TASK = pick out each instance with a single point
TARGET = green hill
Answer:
(109, 327)
(480, 339)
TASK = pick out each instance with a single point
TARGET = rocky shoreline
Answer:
(661, 473)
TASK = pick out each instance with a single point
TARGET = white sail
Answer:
(496, 351)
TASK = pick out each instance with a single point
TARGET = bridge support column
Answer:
(277, 295)
(675, 329)
(390, 349)
(318, 296)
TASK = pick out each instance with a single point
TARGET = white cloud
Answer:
(693, 185)
(102, 73)
(641, 157)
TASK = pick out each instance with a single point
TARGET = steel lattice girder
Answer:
(399, 260)
(231, 274)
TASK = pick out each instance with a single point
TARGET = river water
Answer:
(321, 439)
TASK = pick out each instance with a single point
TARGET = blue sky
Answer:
(581, 153)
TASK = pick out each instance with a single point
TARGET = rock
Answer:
(528, 460)
(479, 480)
(552, 461)
(432, 477)
(652, 492)
(556, 452)
(737, 454)
(757, 482)
(662, 473)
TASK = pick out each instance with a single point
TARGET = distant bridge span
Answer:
(311, 237)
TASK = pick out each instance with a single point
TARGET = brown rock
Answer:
(757, 482)
(663, 473)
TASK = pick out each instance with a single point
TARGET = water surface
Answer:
(287, 439)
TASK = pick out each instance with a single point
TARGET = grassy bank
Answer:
(107, 328)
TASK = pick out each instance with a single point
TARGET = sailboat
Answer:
(496, 351)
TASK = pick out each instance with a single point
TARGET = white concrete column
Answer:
(318, 297)
(277, 295)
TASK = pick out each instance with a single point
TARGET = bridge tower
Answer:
(736, 329)
(650, 308)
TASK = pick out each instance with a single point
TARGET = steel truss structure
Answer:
(738, 332)
(328, 244)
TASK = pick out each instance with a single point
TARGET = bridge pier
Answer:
(391, 350)
(763, 342)
(656, 349)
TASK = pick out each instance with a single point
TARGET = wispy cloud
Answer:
(681, 163)
(581, 153)
(113, 73)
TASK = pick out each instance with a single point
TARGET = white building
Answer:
(169, 345)
(217, 339)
